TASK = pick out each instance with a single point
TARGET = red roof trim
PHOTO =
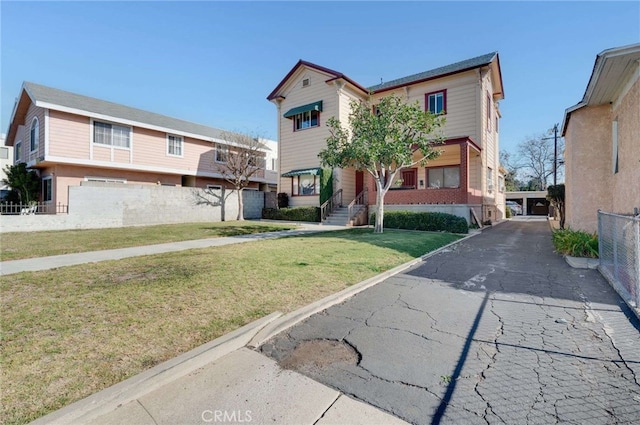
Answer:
(350, 81)
(300, 63)
(461, 140)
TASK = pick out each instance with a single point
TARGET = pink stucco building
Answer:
(602, 141)
(69, 138)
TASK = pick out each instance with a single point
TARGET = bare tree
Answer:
(534, 161)
(242, 159)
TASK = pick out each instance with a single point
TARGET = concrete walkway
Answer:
(495, 329)
(55, 261)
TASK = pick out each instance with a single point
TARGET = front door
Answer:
(359, 182)
(409, 178)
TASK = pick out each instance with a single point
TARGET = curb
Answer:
(290, 319)
(109, 399)
(582, 262)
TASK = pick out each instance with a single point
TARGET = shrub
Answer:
(507, 212)
(292, 214)
(576, 243)
(283, 200)
(427, 221)
(326, 184)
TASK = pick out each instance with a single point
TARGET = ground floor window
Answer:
(443, 177)
(47, 189)
(306, 185)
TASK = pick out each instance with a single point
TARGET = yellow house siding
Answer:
(69, 135)
(301, 147)
(461, 105)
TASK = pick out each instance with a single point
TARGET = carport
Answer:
(533, 202)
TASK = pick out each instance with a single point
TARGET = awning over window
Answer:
(315, 106)
(303, 172)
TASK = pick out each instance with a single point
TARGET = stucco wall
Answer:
(588, 169)
(102, 205)
(625, 187)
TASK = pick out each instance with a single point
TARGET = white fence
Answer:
(101, 205)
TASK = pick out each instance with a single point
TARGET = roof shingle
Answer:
(437, 72)
(52, 96)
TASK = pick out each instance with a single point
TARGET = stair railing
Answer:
(330, 205)
(359, 200)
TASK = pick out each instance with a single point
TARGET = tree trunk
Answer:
(240, 206)
(379, 211)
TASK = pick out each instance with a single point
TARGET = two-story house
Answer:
(466, 174)
(69, 138)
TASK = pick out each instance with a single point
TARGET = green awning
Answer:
(303, 172)
(315, 106)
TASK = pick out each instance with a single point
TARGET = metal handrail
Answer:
(358, 200)
(330, 205)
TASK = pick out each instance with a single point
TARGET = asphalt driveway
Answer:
(498, 329)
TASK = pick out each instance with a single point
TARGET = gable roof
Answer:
(611, 69)
(442, 71)
(60, 100)
(335, 75)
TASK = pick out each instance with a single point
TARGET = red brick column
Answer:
(464, 171)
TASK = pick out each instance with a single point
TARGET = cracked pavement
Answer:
(497, 329)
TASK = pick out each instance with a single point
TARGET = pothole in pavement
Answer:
(315, 355)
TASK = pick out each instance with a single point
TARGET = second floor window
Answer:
(489, 107)
(35, 134)
(17, 152)
(111, 135)
(174, 145)
(307, 120)
(436, 102)
(222, 153)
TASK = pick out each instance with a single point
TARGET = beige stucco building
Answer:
(602, 141)
(467, 173)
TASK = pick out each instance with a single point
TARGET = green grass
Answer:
(575, 243)
(70, 332)
(17, 246)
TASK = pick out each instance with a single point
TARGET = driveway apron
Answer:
(497, 329)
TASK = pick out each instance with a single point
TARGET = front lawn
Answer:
(16, 246)
(70, 332)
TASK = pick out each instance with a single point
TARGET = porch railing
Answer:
(330, 205)
(33, 208)
(360, 200)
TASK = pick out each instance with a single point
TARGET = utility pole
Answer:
(555, 154)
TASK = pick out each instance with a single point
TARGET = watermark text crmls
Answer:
(226, 416)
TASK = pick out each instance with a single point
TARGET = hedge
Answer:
(292, 214)
(428, 221)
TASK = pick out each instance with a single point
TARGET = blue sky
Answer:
(214, 63)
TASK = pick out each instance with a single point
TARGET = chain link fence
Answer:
(619, 246)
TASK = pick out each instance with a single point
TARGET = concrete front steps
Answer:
(340, 216)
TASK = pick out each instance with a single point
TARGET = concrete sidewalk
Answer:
(55, 261)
